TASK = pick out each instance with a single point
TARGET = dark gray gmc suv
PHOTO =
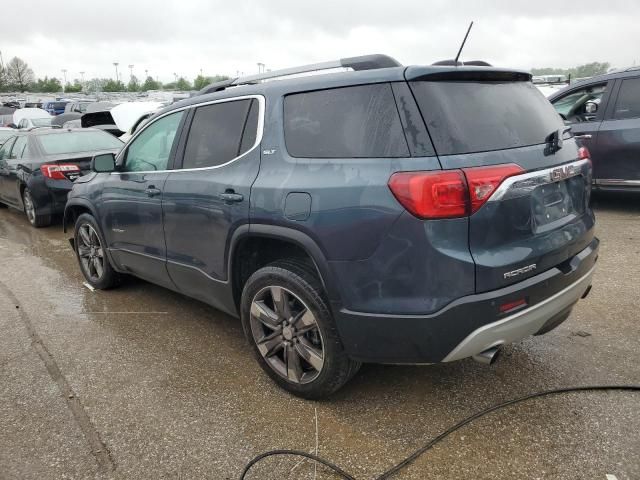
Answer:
(386, 214)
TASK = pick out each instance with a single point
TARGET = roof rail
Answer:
(364, 62)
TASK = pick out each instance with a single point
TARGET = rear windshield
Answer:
(75, 142)
(41, 122)
(479, 116)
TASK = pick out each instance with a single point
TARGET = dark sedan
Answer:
(38, 167)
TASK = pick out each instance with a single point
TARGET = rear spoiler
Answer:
(466, 74)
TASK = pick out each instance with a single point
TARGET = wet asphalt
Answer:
(140, 382)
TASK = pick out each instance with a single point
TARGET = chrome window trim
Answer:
(530, 180)
(261, 112)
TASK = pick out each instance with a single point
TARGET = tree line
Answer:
(587, 70)
(17, 76)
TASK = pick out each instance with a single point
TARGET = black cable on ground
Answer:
(411, 458)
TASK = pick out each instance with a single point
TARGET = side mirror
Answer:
(105, 162)
(590, 107)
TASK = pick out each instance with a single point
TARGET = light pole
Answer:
(115, 64)
(175, 75)
(131, 71)
(146, 73)
(64, 85)
(82, 77)
(260, 67)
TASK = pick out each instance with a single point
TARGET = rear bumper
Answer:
(522, 324)
(470, 324)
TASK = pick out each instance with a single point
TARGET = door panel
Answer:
(618, 150)
(11, 190)
(204, 205)
(5, 172)
(131, 210)
(619, 137)
(131, 201)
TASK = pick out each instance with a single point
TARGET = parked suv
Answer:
(604, 112)
(388, 214)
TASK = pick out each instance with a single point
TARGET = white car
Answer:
(27, 118)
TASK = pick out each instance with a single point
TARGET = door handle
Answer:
(586, 136)
(230, 196)
(153, 191)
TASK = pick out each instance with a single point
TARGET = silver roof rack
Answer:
(364, 62)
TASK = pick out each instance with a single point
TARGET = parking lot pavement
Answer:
(151, 384)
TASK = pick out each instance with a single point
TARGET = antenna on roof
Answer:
(455, 62)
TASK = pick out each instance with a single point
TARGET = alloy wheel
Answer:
(29, 207)
(90, 252)
(287, 335)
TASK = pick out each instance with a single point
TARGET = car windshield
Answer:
(75, 142)
(41, 122)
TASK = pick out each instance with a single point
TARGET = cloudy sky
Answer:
(165, 36)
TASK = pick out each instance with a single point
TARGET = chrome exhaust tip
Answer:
(488, 356)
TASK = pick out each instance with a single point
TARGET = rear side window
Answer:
(480, 116)
(349, 122)
(218, 131)
(628, 103)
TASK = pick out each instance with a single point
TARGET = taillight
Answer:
(583, 153)
(438, 194)
(483, 181)
(58, 171)
(448, 193)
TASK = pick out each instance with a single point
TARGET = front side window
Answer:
(151, 149)
(628, 103)
(349, 122)
(221, 132)
(578, 106)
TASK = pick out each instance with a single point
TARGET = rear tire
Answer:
(289, 325)
(91, 254)
(32, 211)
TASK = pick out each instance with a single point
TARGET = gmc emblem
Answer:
(561, 173)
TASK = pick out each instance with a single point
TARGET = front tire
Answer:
(91, 253)
(32, 211)
(292, 332)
